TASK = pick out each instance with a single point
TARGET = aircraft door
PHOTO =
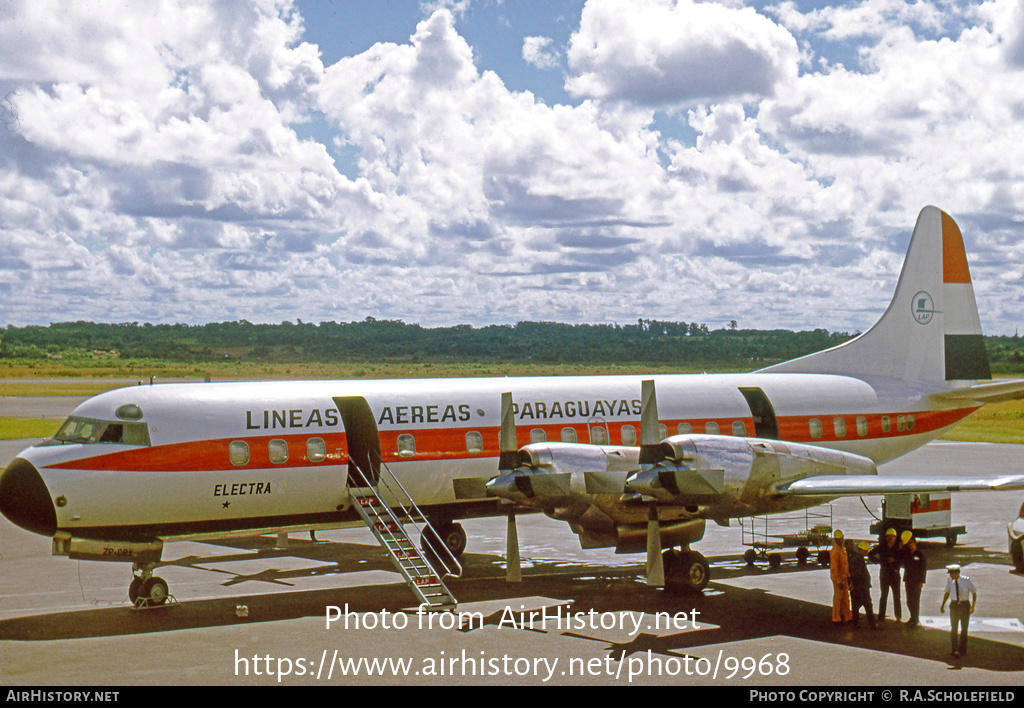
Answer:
(363, 440)
(766, 425)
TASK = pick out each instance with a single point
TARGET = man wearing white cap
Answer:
(960, 609)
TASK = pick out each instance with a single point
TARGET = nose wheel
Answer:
(146, 589)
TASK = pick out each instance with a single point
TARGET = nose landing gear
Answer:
(147, 590)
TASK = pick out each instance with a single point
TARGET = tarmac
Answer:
(332, 611)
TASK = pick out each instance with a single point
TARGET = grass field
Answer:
(18, 428)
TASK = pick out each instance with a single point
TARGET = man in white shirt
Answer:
(960, 609)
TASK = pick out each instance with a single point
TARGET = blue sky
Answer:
(481, 162)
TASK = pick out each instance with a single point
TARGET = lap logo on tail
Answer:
(924, 307)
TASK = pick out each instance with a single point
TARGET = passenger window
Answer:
(568, 435)
(278, 450)
(474, 442)
(886, 424)
(711, 428)
(406, 445)
(910, 422)
(662, 430)
(739, 429)
(815, 427)
(628, 434)
(684, 429)
(839, 427)
(901, 423)
(238, 453)
(316, 450)
(537, 435)
(599, 435)
(862, 426)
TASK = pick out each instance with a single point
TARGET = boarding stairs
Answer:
(389, 522)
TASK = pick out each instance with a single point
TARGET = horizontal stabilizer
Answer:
(993, 392)
(853, 485)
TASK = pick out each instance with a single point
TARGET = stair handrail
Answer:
(444, 556)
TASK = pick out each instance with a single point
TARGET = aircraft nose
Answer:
(25, 500)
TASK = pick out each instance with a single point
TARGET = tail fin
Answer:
(931, 331)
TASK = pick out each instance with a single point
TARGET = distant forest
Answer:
(689, 344)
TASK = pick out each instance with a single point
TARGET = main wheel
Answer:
(686, 572)
(453, 536)
(450, 535)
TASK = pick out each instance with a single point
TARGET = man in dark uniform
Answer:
(915, 568)
(886, 554)
(860, 585)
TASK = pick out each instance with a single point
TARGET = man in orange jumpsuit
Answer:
(839, 566)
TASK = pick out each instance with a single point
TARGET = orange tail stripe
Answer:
(954, 258)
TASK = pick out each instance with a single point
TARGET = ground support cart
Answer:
(767, 535)
(927, 515)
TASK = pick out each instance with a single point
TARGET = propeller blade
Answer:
(650, 428)
(655, 563)
(605, 482)
(470, 487)
(508, 445)
(513, 572)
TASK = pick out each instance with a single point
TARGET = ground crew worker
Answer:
(860, 585)
(886, 554)
(960, 609)
(839, 570)
(915, 568)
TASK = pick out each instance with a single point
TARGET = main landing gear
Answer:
(146, 589)
(450, 534)
(687, 572)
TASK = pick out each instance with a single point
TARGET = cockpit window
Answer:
(88, 431)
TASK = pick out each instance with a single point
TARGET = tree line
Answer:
(370, 339)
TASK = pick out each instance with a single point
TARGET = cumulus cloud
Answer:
(539, 52)
(668, 53)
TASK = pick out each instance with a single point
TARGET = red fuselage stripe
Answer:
(449, 444)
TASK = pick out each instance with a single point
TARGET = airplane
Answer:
(137, 467)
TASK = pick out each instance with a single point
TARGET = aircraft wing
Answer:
(854, 485)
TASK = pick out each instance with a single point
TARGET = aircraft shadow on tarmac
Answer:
(729, 614)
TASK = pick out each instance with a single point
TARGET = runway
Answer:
(249, 614)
